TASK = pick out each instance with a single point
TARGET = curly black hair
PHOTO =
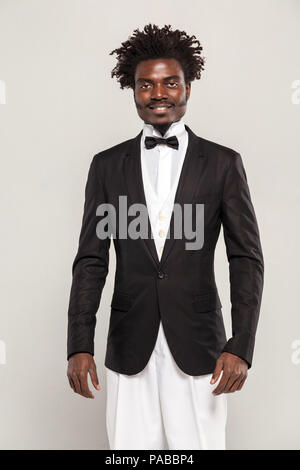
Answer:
(153, 42)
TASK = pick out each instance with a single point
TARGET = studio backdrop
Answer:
(59, 106)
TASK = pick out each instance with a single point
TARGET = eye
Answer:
(173, 83)
(146, 84)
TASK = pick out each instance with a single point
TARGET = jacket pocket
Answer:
(206, 302)
(121, 301)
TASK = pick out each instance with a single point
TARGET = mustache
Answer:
(143, 106)
(159, 103)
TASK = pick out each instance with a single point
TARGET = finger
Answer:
(94, 377)
(217, 372)
(76, 382)
(85, 391)
(222, 384)
(233, 383)
(71, 384)
(242, 383)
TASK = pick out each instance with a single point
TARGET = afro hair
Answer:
(152, 43)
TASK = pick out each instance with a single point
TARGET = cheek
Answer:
(183, 98)
(142, 99)
(180, 96)
(139, 101)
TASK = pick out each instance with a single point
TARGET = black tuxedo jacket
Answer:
(180, 289)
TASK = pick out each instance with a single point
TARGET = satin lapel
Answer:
(187, 184)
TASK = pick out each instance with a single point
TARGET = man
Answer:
(166, 345)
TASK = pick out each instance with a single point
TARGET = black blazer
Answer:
(180, 289)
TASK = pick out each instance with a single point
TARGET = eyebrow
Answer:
(151, 81)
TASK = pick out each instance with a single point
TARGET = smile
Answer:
(160, 109)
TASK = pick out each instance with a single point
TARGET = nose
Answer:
(158, 92)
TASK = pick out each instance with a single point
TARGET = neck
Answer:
(162, 128)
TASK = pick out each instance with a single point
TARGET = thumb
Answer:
(94, 377)
(217, 371)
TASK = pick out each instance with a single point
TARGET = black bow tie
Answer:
(151, 142)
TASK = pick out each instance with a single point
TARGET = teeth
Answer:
(160, 107)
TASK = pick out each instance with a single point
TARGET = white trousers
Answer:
(162, 406)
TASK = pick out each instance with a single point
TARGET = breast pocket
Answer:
(206, 302)
(121, 301)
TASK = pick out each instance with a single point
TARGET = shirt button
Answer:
(161, 216)
(161, 249)
(161, 233)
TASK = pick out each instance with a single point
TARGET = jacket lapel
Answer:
(135, 188)
(187, 184)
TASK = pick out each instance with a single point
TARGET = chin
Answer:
(162, 119)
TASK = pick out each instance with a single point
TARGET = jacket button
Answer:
(161, 275)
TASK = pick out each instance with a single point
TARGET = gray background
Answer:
(61, 108)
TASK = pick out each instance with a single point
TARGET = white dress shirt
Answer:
(161, 169)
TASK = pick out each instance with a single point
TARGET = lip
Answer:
(160, 110)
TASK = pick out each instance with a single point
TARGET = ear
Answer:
(188, 90)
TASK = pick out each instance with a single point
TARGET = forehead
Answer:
(158, 68)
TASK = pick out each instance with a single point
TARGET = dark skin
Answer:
(160, 81)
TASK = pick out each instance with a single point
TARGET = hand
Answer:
(79, 366)
(235, 371)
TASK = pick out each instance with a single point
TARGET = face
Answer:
(160, 92)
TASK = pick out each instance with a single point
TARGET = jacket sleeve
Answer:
(245, 257)
(89, 269)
